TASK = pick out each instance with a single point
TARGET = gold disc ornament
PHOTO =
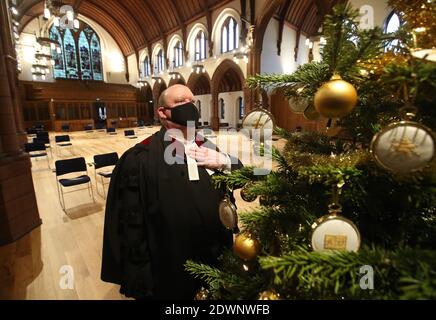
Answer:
(336, 98)
(334, 232)
(246, 247)
(404, 147)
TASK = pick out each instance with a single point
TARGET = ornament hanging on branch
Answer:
(228, 213)
(405, 146)
(336, 98)
(269, 295)
(246, 246)
(246, 195)
(202, 294)
(333, 231)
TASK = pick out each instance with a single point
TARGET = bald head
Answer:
(175, 95)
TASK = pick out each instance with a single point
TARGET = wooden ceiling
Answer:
(135, 24)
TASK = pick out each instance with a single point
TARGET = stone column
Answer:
(18, 208)
(215, 120)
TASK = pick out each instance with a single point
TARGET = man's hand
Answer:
(208, 158)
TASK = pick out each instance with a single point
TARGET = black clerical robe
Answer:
(155, 220)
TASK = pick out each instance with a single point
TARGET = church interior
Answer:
(82, 78)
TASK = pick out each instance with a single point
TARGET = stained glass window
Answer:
(85, 57)
(97, 68)
(58, 57)
(70, 55)
(79, 54)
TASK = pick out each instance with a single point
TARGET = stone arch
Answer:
(199, 83)
(227, 77)
(178, 79)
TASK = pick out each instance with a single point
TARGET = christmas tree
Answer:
(384, 210)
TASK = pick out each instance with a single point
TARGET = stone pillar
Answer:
(215, 120)
(18, 208)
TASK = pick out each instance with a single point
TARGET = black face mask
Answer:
(184, 113)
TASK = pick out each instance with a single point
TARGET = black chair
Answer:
(36, 150)
(130, 134)
(111, 131)
(114, 123)
(65, 127)
(43, 136)
(100, 127)
(63, 141)
(72, 166)
(89, 128)
(141, 124)
(104, 161)
(31, 132)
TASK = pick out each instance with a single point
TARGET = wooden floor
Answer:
(34, 266)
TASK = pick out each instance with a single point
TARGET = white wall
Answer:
(112, 57)
(271, 62)
(231, 107)
(381, 9)
(206, 107)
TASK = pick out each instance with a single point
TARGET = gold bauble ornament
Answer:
(269, 295)
(336, 98)
(246, 247)
(247, 196)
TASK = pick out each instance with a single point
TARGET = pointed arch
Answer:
(85, 57)
(58, 57)
(97, 65)
(70, 53)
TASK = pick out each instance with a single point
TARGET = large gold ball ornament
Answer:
(246, 247)
(336, 98)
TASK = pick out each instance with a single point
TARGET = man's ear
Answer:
(161, 112)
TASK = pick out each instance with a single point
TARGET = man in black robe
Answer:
(162, 208)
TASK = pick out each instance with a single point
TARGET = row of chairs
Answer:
(79, 166)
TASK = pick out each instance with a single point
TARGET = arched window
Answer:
(200, 46)
(393, 23)
(147, 66)
(58, 57)
(85, 57)
(199, 107)
(97, 66)
(78, 55)
(222, 109)
(241, 108)
(229, 35)
(160, 61)
(178, 54)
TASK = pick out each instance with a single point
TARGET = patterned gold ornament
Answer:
(404, 147)
(247, 196)
(246, 247)
(336, 98)
(269, 295)
(335, 232)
